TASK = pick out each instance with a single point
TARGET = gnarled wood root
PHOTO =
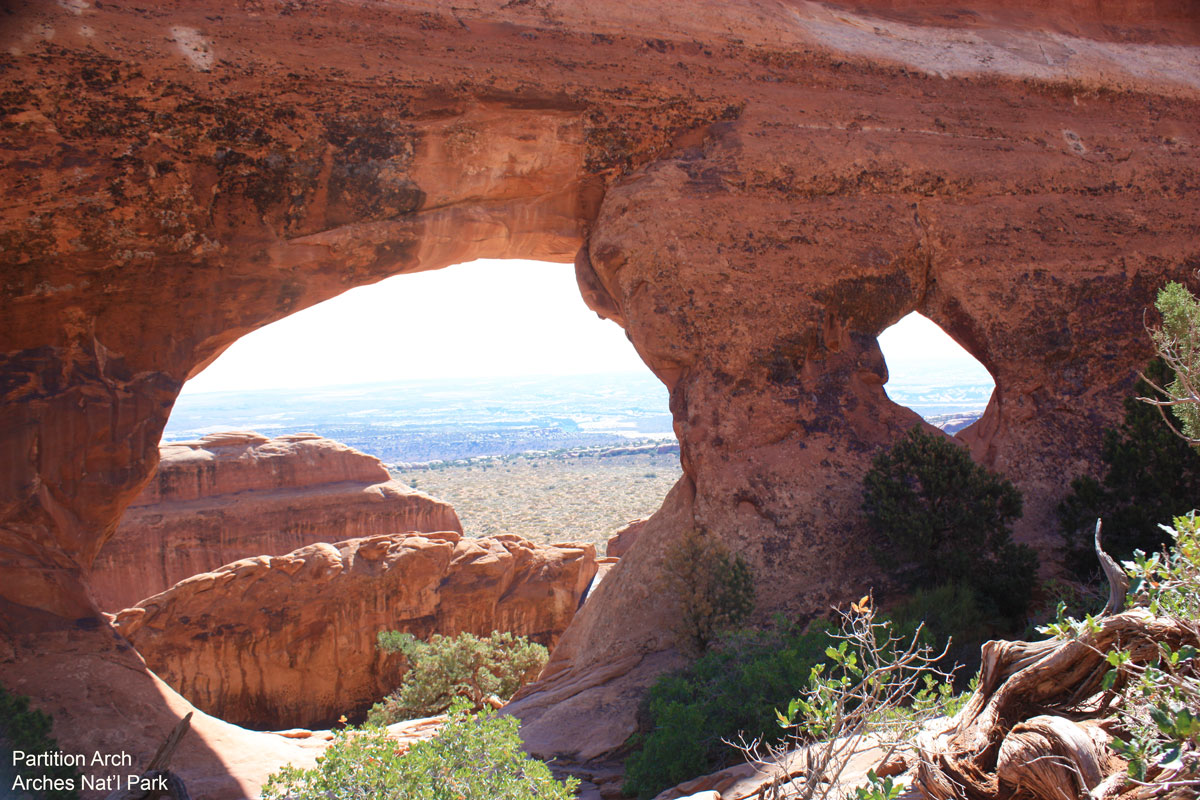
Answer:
(1019, 731)
(1054, 758)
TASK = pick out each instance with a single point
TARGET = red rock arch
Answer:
(754, 190)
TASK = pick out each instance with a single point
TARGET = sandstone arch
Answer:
(753, 189)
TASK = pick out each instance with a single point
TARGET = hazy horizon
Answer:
(489, 319)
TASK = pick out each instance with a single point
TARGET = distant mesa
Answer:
(953, 423)
(666, 448)
(289, 641)
(237, 495)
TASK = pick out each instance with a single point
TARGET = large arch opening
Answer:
(933, 375)
(447, 376)
(498, 406)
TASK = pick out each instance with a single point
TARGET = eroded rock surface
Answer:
(111, 703)
(620, 542)
(236, 495)
(289, 641)
(753, 189)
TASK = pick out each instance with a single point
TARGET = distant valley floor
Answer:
(570, 496)
(516, 455)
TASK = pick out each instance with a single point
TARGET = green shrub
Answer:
(953, 612)
(688, 716)
(27, 729)
(941, 519)
(714, 589)
(451, 667)
(1057, 598)
(1150, 473)
(1177, 341)
(473, 757)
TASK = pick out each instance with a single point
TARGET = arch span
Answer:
(754, 190)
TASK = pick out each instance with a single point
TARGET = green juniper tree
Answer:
(448, 668)
(1150, 474)
(942, 519)
(1178, 343)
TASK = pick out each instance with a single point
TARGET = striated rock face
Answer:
(753, 189)
(236, 495)
(289, 641)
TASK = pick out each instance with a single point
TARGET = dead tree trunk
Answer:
(1035, 726)
(157, 781)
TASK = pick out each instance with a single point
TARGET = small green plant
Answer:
(28, 730)
(714, 589)
(688, 717)
(878, 788)
(473, 757)
(447, 668)
(1160, 711)
(940, 518)
(1159, 696)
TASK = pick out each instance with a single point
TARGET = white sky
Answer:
(918, 351)
(483, 319)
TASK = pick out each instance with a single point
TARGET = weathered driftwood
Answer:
(1054, 757)
(1029, 730)
(1118, 581)
(164, 783)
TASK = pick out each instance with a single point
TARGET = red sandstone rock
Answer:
(409, 732)
(289, 641)
(620, 542)
(236, 495)
(756, 779)
(110, 703)
(753, 189)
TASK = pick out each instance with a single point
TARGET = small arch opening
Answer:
(931, 374)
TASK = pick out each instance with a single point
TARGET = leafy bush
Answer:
(1177, 341)
(1149, 474)
(687, 717)
(473, 757)
(714, 589)
(1158, 693)
(943, 519)
(27, 729)
(450, 667)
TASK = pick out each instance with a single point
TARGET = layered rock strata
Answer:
(753, 189)
(237, 495)
(289, 641)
